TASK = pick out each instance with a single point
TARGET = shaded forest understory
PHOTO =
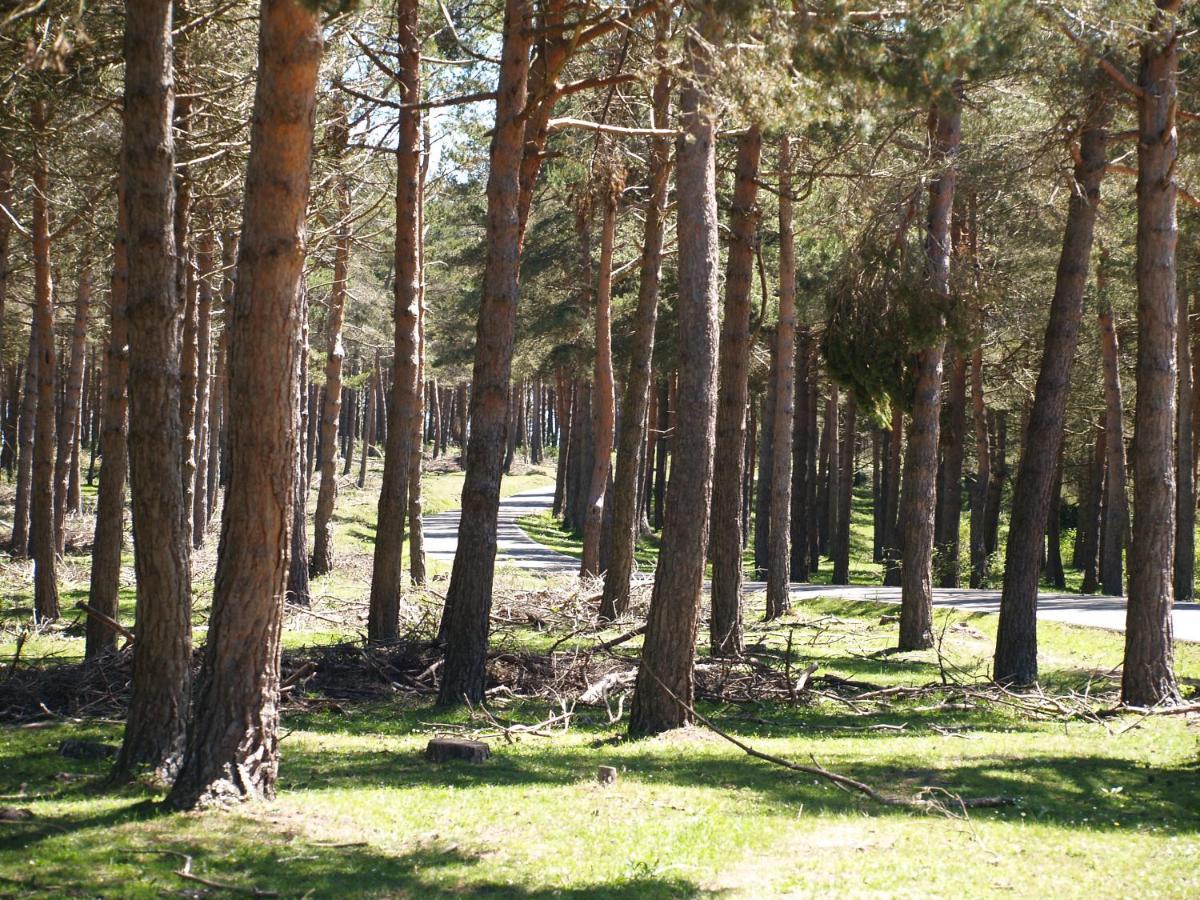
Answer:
(360, 811)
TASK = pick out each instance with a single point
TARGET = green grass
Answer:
(1101, 811)
(1104, 808)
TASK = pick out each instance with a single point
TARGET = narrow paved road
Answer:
(517, 548)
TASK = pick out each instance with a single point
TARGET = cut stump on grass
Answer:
(446, 749)
(606, 775)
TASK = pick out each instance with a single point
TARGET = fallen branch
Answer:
(112, 623)
(619, 639)
(844, 782)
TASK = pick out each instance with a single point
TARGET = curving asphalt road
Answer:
(518, 549)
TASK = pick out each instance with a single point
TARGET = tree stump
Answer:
(445, 749)
(606, 775)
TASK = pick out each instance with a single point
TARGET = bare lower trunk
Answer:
(1185, 501)
(469, 597)
(322, 553)
(69, 422)
(204, 298)
(1091, 509)
(1148, 676)
(983, 474)
(801, 451)
(841, 539)
(233, 744)
(603, 395)
(891, 509)
(733, 391)
(45, 579)
(1016, 639)
(383, 623)
(1110, 569)
(19, 543)
(162, 655)
(104, 594)
(920, 461)
(663, 693)
(779, 549)
(950, 488)
(636, 418)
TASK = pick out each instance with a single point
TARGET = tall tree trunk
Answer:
(383, 623)
(45, 580)
(469, 597)
(891, 511)
(1054, 562)
(322, 552)
(920, 460)
(950, 489)
(298, 590)
(1148, 676)
(162, 655)
(766, 465)
(841, 538)
(10, 398)
(603, 392)
(204, 298)
(565, 405)
(983, 474)
(104, 593)
(779, 549)
(233, 744)
(19, 543)
(662, 451)
(1016, 639)
(801, 451)
(1116, 508)
(1092, 509)
(664, 688)
(733, 391)
(1185, 501)
(998, 426)
(69, 421)
(416, 533)
(636, 417)
(368, 440)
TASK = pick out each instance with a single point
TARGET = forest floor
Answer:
(1103, 804)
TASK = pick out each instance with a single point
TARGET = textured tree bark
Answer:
(565, 406)
(1185, 500)
(1115, 509)
(368, 440)
(1092, 509)
(766, 464)
(469, 597)
(185, 282)
(950, 488)
(663, 692)
(45, 580)
(1054, 562)
(998, 426)
(416, 533)
(637, 420)
(779, 548)
(10, 400)
(891, 512)
(298, 591)
(19, 543)
(983, 473)
(801, 451)
(387, 574)
(162, 655)
(662, 451)
(581, 459)
(841, 538)
(725, 628)
(603, 392)
(322, 553)
(204, 297)
(920, 460)
(1148, 676)
(233, 743)
(1016, 640)
(187, 381)
(104, 592)
(68, 423)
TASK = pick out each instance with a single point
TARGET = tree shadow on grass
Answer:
(137, 849)
(1087, 791)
